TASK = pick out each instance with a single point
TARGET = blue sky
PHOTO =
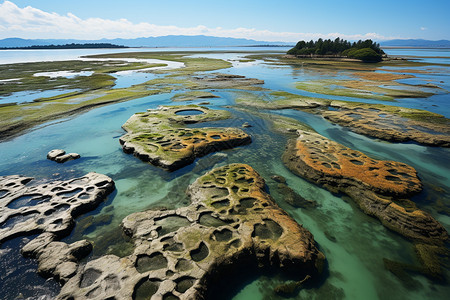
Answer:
(281, 20)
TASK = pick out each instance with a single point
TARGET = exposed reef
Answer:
(60, 156)
(160, 136)
(393, 124)
(49, 210)
(380, 188)
(390, 123)
(193, 95)
(231, 224)
(229, 81)
(368, 89)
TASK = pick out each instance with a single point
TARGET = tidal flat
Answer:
(379, 232)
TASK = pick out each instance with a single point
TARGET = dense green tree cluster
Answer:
(365, 50)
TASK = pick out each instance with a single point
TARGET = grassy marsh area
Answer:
(96, 89)
(26, 80)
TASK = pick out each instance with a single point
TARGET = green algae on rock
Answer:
(193, 95)
(386, 122)
(17, 118)
(389, 123)
(230, 224)
(159, 136)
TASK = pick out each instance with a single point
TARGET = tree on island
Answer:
(367, 50)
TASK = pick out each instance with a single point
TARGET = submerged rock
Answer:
(379, 187)
(49, 210)
(293, 198)
(160, 136)
(228, 81)
(194, 95)
(60, 156)
(278, 178)
(403, 125)
(231, 224)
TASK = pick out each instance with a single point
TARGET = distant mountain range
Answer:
(197, 41)
(416, 43)
(160, 41)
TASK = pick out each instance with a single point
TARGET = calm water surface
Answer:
(353, 243)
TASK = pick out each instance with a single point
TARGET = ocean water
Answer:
(354, 243)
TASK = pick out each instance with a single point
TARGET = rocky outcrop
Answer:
(49, 209)
(60, 156)
(380, 188)
(56, 259)
(386, 122)
(160, 136)
(193, 95)
(394, 127)
(228, 81)
(231, 225)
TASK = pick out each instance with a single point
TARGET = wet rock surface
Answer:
(391, 127)
(220, 80)
(49, 210)
(380, 188)
(60, 156)
(194, 95)
(231, 223)
(160, 136)
(386, 122)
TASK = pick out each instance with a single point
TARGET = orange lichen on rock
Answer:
(378, 187)
(331, 158)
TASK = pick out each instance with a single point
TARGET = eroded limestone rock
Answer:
(392, 126)
(60, 156)
(229, 81)
(160, 137)
(380, 188)
(231, 224)
(49, 210)
(194, 95)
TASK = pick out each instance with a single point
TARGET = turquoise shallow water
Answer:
(353, 243)
(29, 96)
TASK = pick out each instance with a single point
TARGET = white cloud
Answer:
(30, 22)
(423, 28)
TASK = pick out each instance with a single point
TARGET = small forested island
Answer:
(367, 50)
(67, 46)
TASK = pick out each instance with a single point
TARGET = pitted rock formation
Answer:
(49, 210)
(378, 187)
(60, 156)
(229, 81)
(231, 224)
(391, 127)
(159, 136)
